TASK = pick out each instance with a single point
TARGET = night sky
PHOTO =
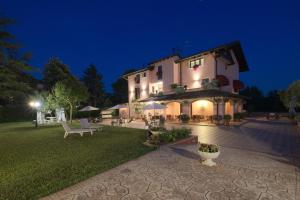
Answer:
(118, 35)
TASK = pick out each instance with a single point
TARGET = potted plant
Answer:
(237, 117)
(208, 152)
(227, 119)
(184, 118)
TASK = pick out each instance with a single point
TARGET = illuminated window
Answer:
(196, 62)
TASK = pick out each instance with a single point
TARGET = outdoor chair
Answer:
(86, 125)
(80, 131)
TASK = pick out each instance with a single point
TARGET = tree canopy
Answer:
(67, 95)
(92, 79)
(15, 81)
(291, 97)
(120, 89)
(55, 71)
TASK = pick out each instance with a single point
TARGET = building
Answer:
(201, 85)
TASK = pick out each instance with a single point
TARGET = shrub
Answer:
(237, 116)
(157, 129)
(179, 90)
(184, 118)
(175, 134)
(227, 118)
(208, 148)
(13, 113)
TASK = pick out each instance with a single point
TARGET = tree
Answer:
(55, 71)
(120, 89)
(15, 82)
(255, 99)
(94, 84)
(291, 97)
(68, 95)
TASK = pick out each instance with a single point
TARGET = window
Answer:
(159, 72)
(144, 75)
(153, 89)
(204, 81)
(137, 78)
(137, 93)
(197, 62)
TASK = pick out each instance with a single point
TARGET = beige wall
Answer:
(173, 108)
(170, 74)
(191, 77)
(230, 71)
(202, 107)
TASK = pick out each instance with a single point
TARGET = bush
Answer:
(14, 113)
(227, 118)
(208, 148)
(184, 118)
(237, 116)
(175, 134)
(157, 129)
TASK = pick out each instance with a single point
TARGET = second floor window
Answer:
(144, 75)
(137, 93)
(159, 72)
(137, 79)
(196, 63)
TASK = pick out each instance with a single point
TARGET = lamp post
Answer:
(35, 105)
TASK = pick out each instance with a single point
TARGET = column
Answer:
(221, 108)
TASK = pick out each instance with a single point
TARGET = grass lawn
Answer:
(37, 162)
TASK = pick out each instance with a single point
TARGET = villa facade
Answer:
(201, 85)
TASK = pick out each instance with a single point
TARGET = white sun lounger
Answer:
(84, 123)
(80, 131)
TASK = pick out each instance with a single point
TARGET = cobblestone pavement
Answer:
(257, 161)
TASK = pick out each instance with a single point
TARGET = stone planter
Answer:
(207, 158)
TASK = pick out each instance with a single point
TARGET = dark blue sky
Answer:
(118, 35)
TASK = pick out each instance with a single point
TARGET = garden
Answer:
(36, 162)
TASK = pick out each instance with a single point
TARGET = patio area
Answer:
(259, 160)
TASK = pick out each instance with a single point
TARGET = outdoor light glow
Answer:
(144, 87)
(196, 76)
(196, 84)
(34, 104)
(151, 102)
(202, 103)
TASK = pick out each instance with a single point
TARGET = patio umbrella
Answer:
(88, 109)
(154, 106)
(117, 107)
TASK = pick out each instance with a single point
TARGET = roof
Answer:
(151, 63)
(194, 94)
(235, 46)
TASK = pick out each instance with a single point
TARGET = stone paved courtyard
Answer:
(259, 160)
